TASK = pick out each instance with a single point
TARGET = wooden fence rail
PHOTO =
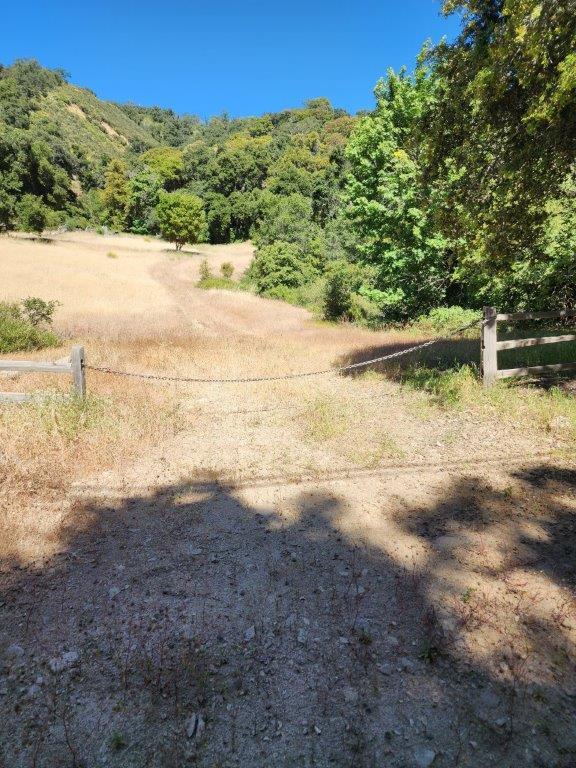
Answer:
(75, 367)
(491, 346)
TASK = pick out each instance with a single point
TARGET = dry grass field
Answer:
(340, 570)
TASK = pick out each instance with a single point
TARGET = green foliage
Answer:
(289, 219)
(447, 387)
(117, 741)
(164, 125)
(144, 194)
(347, 296)
(116, 194)
(167, 163)
(7, 210)
(218, 218)
(342, 285)
(32, 214)
(38, 311)
(227, 269)
(386, 200)
(181, 218)
(442, 320)
(19, 334)
(278, 266)
(205, 271)
(501, 141)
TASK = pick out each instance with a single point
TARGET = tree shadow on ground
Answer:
(185, 626)
(451, 354)
(441, 356)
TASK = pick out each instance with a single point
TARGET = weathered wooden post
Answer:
(489, 346)
(78, 372)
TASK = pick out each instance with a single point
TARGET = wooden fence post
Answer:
(489, 348)
(78, 372)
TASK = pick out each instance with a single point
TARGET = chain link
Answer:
(324, 372)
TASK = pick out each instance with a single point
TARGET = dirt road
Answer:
(328, 572)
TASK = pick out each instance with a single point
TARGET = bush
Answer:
(32, 214)
(279, 266)
(38, 311)
(344, 298)
(446, 320)
(18, 333)
(208, 280)
(227, 270)
(205, 271)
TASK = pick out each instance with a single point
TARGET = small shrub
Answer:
(325, 419)
(112, 255)
(343, 298)
(443, 320)
(343, 280)
(227, 270)
(38, 311)
(205, 271)
(19, 334)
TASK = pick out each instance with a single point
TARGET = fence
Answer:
(75, 367)
(491, 346)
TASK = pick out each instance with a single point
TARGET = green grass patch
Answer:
(222, 283)
(551, 410)
(324, 419)
(67, 416)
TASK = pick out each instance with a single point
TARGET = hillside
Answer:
(101, 128)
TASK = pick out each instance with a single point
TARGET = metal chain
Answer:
(324, 372)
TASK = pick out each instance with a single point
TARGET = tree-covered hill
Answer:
(72, 159)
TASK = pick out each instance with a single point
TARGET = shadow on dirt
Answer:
(441, 356)
(185, 625)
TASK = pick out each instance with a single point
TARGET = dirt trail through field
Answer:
(225, 312)
(328, 572)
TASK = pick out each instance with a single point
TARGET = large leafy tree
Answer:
(386, 200)
(181, 218)
(502, 138)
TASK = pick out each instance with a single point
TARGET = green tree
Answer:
(145, 190)
(387, 203)
(280, 265)
(501, 140)
(32, 214)
(181, 218)
(167, 163)
(6, 211)
(116, 194)
(218, 218)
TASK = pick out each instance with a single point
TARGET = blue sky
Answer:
(207, 56)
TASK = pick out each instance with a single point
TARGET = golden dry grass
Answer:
(141, 313)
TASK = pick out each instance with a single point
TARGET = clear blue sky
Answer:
(206, 56)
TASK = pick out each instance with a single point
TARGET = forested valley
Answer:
(457, 190)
